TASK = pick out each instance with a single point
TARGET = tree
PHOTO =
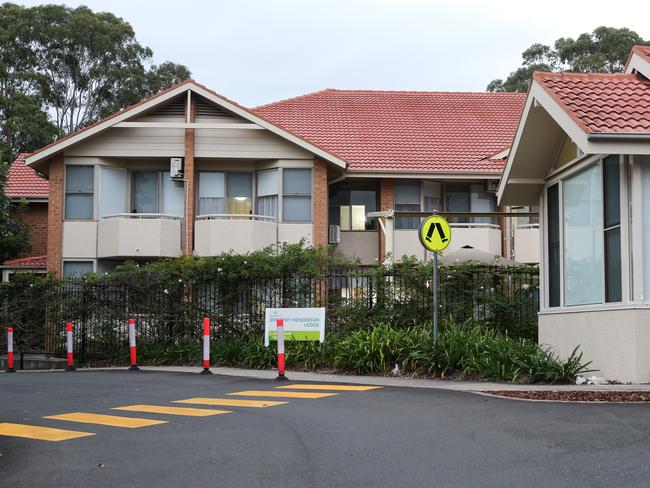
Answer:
(14, 234)
(73, 64)
(605, 50)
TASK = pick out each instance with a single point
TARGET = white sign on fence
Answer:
(300, 324)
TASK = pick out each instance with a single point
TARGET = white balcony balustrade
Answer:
(238, 233)
(138, 235)
(526, 243)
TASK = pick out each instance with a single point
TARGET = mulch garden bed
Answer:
(578, 396)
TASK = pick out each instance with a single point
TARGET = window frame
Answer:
(628, 242)
(93, 194)
(350, 187)
(282, 194)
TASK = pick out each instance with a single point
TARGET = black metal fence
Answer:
(169, 315)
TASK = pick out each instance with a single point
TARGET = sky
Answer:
(259, 51)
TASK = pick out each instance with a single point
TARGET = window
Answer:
(296, 195)
(583, 237)
(482, 201)
(145, 192)
(113, 189)
(432, 196)
(79, 192)
(407, 199)
(350, 204)
(553, 238)
(212, 192)
(458, 199)
(77, 268)
(266, 202)
(612, 228)
(155, 192)
(239, 193)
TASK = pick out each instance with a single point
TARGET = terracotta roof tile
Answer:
(404, 131)
(602, 103)
(23, 182)
(31, 262)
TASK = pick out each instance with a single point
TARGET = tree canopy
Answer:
(605, 50)
(63, 68)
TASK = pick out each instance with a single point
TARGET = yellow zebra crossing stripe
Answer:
(110, 420)
(231, 402)
(330, 387)
(39, 433)
(282, 394)
(188, 412)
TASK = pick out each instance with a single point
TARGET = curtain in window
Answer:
(173, 196)
(482, 201)
(113, 191)
(266, 202)
(239, 190)
(583, 238)
(211, 193)
(407, 199)
(145, 192)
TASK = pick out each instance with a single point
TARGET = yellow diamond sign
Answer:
(435, 233)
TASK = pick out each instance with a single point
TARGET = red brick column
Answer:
(55, 216)
(386, 202)
(190, 180)
(320, 203)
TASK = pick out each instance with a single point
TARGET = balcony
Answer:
(481, 236)
(138, 235)
(526, 243)
(238, 233)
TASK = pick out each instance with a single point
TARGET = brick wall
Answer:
(55, 216)
(320, 203)
(35, 215)
(190, 183)
(386, 202)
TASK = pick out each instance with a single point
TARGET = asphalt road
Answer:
(392, 437)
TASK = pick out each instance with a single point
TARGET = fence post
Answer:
(280, 341)
(206, 346)
(68, 337)
(10, 350)
(132, 351)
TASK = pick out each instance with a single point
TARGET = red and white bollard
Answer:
(132, 351)
(280, 339)
(68, 340)
(10, 350)
(206, 346)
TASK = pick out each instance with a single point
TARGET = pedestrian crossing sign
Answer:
(435, 233)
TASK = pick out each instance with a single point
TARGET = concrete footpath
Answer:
(449, 385)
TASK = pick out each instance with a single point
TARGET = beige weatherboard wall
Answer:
(594, 200)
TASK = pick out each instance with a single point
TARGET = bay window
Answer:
(239, 193)
(583, 236)
(79, 192)
(212, 193)
(155, 192)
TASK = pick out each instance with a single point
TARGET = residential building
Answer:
(582, 153)
(189, 171)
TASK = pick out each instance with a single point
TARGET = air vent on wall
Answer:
(204, 108)
(175, 107)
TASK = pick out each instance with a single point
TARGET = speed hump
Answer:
(435, 233)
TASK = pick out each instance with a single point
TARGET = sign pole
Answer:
(435, 296)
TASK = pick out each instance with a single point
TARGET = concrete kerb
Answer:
(450, 385)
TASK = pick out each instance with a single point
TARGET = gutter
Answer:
(618, 136)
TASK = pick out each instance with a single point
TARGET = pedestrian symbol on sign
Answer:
(435, 233)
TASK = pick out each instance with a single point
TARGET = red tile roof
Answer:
(601, 103)
(439, 132)
(23, 182)
(31, 262)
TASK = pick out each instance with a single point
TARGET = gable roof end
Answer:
(165, 95)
